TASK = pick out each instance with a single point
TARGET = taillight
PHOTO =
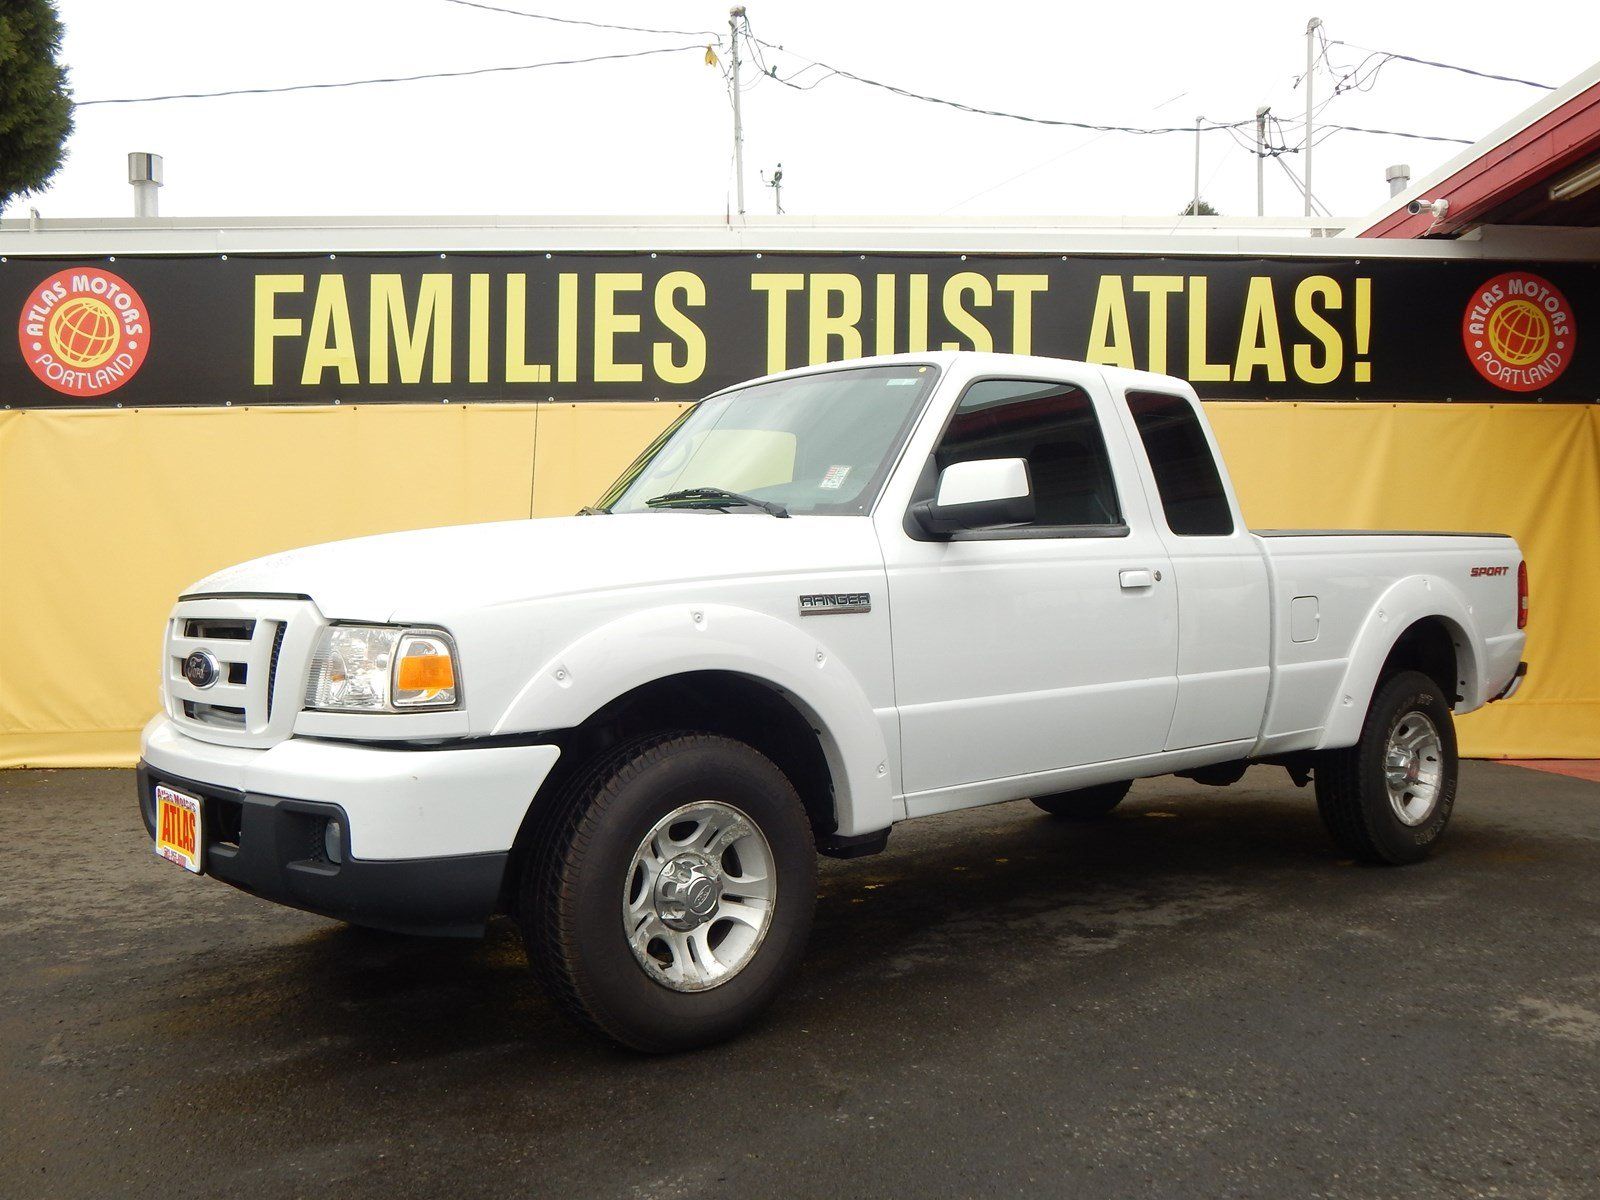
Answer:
(1522, 595)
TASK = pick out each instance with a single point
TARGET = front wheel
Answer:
(672, 892)
(1388, 798)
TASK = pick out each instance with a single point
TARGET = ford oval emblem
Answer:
(201, 669)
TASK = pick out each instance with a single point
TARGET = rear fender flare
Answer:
(1415, 598)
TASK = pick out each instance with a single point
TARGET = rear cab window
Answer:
(1192, 496)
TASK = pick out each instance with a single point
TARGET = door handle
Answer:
(1138, 579)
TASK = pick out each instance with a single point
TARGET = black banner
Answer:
(254, 329)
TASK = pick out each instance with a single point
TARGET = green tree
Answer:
(1200, 209)
(35, 107)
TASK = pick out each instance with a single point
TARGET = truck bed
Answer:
(1340, 597)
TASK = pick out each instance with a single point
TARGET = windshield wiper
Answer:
(714, 497)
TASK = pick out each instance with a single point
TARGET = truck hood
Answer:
(427, 574)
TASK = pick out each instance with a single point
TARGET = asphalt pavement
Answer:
(1196, 998)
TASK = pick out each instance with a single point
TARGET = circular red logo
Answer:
(84, 331)
(1518, 331)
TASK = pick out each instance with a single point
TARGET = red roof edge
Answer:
(1561, 137)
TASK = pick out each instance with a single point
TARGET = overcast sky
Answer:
(653, 135)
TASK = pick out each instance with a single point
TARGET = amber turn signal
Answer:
(426, 673)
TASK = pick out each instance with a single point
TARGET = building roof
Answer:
(1542, 168)
(1282, 237)
(510, 232)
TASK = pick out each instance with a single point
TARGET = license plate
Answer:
(179, 837)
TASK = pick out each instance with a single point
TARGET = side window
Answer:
(1053, 426)
(1184, 467)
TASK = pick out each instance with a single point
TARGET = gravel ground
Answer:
(1194, 998)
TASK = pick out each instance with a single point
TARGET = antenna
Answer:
(776, 184)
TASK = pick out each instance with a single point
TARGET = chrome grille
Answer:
(261, 646)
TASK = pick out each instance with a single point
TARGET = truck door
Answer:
(1024, 650)
(1224, 629)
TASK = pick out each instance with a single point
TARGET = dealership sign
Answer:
(1519, 332)
(486, 327)
(83, 332)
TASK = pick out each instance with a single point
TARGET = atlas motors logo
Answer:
(84, 331)
(1519, 332)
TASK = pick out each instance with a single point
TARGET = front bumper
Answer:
(273, 847)
(426, 833)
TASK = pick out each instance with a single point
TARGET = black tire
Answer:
(1085, 804)
(569, 906)
(1353, 795)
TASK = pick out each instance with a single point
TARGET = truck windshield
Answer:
(816, 445)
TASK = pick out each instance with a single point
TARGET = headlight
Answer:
(382, 668)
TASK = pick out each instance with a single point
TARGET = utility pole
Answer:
(735, 15)
(1261, 160)
(1311, 29)
(1194, 205)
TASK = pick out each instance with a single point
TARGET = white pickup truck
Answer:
(818, 604)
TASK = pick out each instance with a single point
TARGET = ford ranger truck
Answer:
(818, 604)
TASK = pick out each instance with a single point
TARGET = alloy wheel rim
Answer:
(698, 896)
(1413, 767)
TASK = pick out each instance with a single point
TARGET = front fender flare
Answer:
(1412, 599)
(643, 647)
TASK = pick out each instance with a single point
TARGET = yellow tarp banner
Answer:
(106, 515)
(1530, 470)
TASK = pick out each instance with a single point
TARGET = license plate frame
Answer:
(180, 829)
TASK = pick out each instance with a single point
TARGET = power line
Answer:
(1206, 127)
(769, 72)
(698, 48)
(1341, 85)
(1055, 158)
(1359, 78)
(1420, 137)
(961, 106)
(1444, 66)
(1327, 130)
(533, 16)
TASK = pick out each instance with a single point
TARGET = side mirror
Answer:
(980, 494)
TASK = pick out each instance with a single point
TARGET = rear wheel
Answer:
(671, 892)
(1388, 798)
(1085, 804)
